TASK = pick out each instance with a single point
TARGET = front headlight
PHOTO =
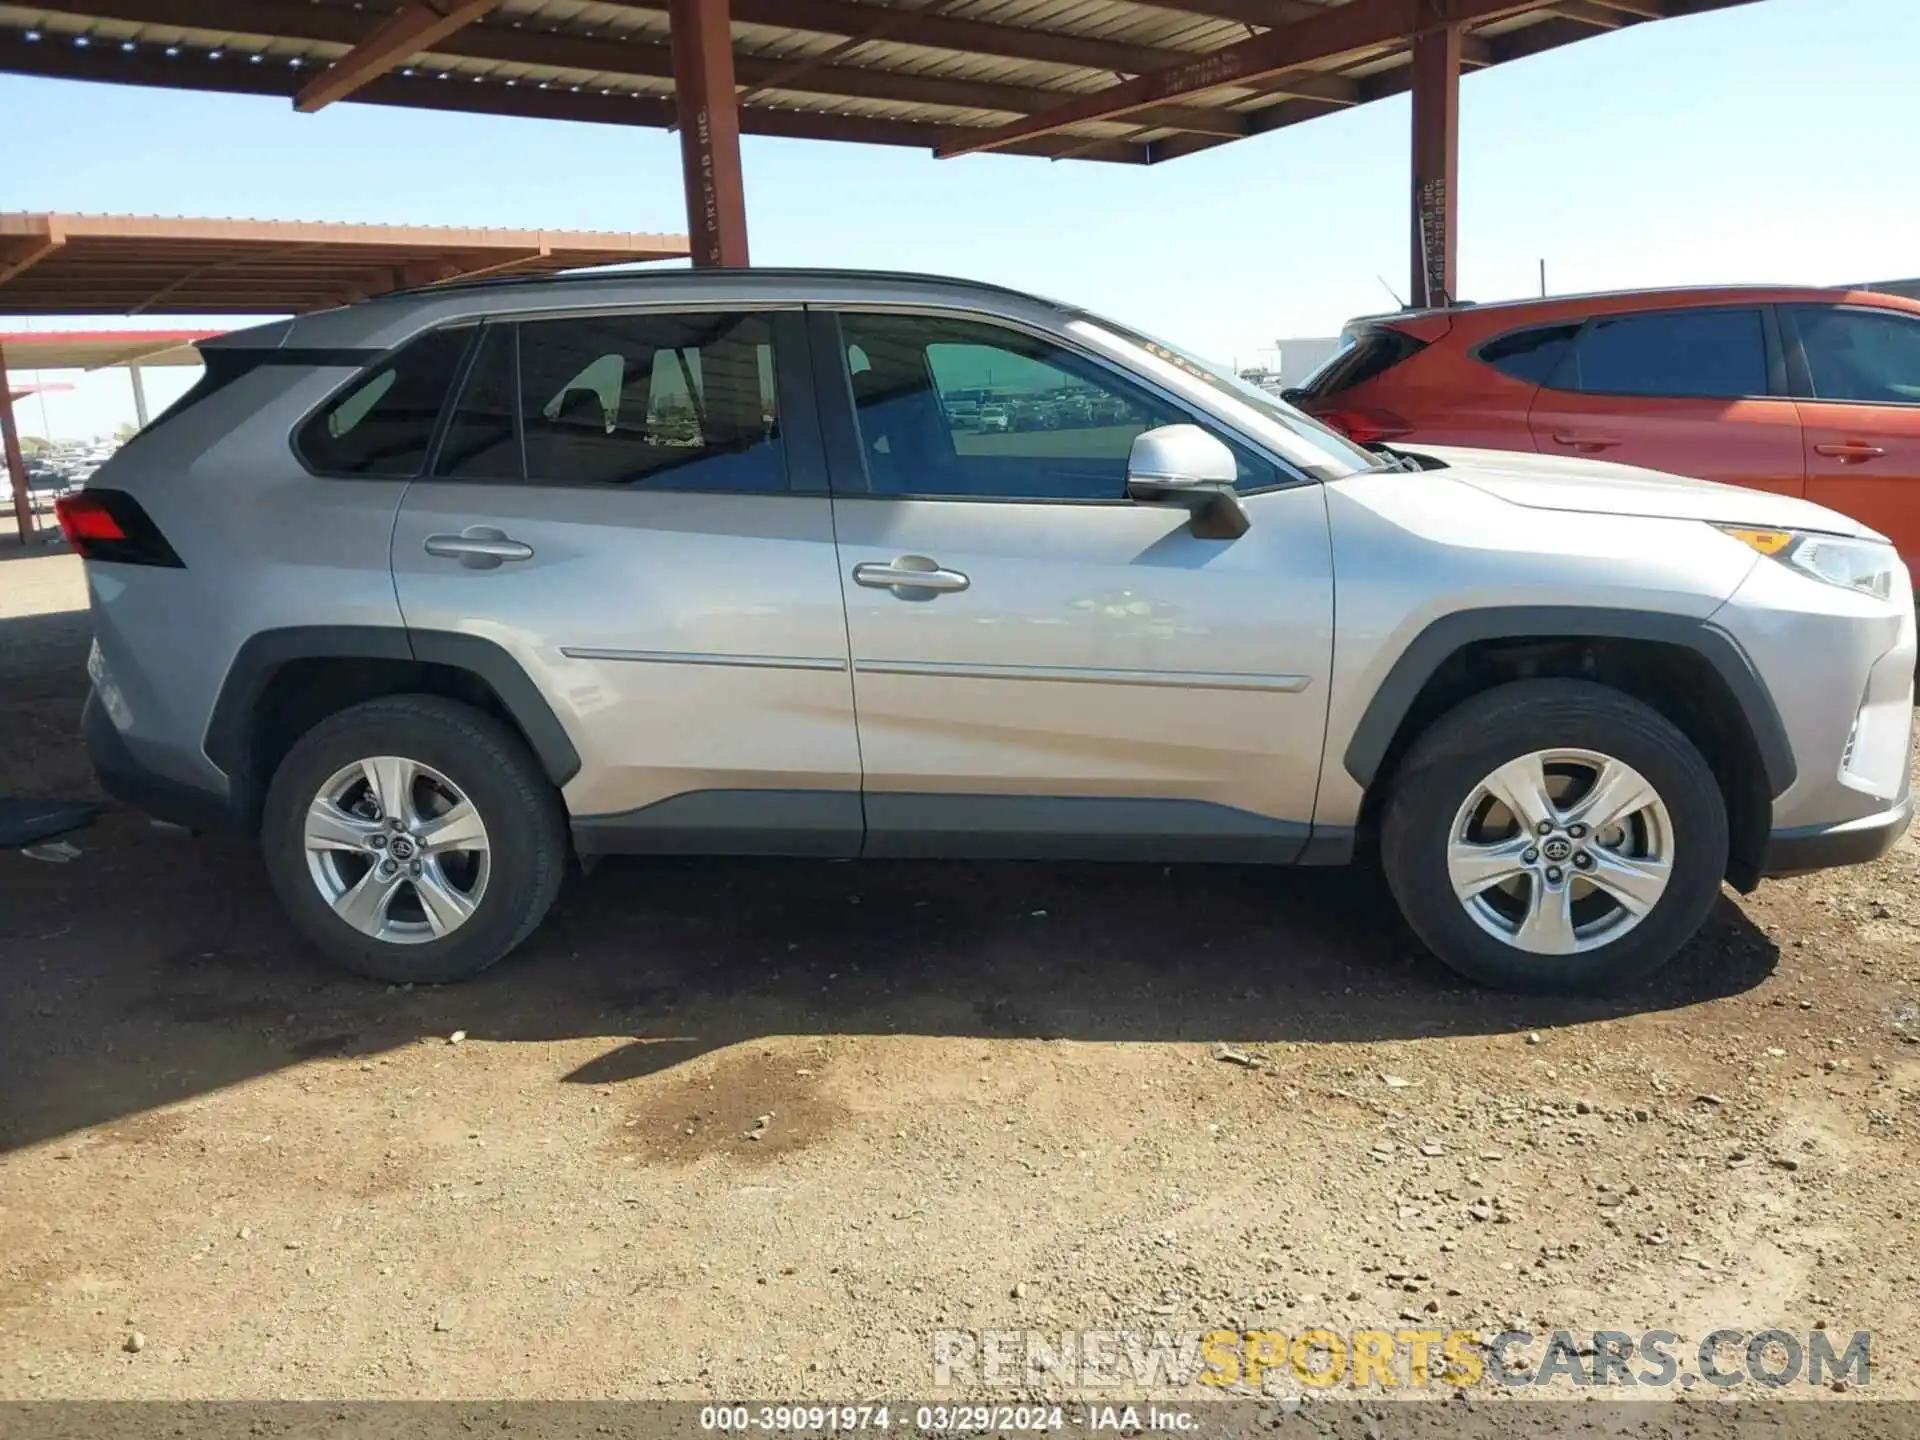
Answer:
(1864, 565)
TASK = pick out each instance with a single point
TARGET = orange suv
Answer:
(1805, 391)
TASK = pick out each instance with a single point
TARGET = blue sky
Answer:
(1773, 141)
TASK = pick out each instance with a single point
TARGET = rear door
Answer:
(1856, 380)
(633, 506)
(1697, 392)
(1076, 674)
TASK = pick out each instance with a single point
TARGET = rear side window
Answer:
(382, 423)
(1530, 355)
(1364, 354)
(483, 439)
(673, 402)
(1698, 354)
(1869, 356)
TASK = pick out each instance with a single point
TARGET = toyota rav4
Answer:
(429, 591)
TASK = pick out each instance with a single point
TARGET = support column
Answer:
(139, 396)
(16, 462)
(1436, 163)
(709, 117)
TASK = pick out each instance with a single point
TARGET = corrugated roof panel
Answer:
(993, 55)
(1109, 20)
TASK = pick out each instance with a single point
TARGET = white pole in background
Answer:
(139, 396)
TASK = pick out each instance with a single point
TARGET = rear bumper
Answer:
(122, 776)
(1823, 847)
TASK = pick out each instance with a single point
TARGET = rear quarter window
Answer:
(1529, 355)
(382, 422)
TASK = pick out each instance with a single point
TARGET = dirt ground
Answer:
(733, 1128)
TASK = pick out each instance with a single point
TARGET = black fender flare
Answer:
(262, 655)
(1373, 736)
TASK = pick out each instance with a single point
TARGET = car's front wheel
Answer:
(413, 839)
(1554, 835)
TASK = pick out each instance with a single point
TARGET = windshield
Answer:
(1323, 453)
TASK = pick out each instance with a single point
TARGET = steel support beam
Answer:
(1601, 17)
(395, 39)
(16, 462)
(1436, 163)
(28, 252)
(709, 123)
(1357, 28)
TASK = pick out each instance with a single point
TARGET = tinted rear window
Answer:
(1530, 355)
(1703, 354)
(382, 423)
(1371, 353)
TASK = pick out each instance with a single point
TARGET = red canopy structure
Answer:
(1124, 81)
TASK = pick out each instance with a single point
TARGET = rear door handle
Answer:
(909, 572)
(1847, 451)
(1584, 442)
(478, 547)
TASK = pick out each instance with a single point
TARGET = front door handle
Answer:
(907, 573)
(1584, 442)
(478, 547)
(1847, 452)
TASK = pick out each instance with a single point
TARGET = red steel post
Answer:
(16, 462)
(1436, 163)
(709, 116)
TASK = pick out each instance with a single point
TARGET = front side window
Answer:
(671, 402)
(1872, 356)
(1697, 354)
(956, 407)
(382, 424)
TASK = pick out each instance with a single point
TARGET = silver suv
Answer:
(428, 590)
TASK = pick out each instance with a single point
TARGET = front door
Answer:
(1858, 370)
(1042, 667)
(1689, 391)
(621, 503)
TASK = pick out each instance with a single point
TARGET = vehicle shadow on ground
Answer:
(155, 967)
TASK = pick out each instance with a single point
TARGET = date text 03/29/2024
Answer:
(945, 1419)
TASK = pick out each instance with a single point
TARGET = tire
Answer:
(1445, 831)
(489, 890)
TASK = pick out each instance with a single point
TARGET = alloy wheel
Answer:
(1561, 851)
(396, 850)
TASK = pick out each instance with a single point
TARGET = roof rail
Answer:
(669, 278)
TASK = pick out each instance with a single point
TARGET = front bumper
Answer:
(1823, 847)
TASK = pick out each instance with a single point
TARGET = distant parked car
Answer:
(1806, 392)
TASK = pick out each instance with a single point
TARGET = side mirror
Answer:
(1183, 465)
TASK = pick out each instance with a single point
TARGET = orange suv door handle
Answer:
(1848, 451)
(1585, 442)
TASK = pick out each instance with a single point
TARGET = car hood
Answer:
(1553, 482)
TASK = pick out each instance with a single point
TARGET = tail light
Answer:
(1365, 427)
(111, 525)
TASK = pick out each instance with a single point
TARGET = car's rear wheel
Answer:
(1554, 835)
(413, 839)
